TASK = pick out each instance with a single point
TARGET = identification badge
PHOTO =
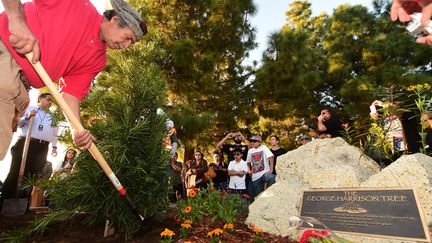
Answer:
(40, 128)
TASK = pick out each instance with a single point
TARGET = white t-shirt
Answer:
(238, 182)
(258, 158)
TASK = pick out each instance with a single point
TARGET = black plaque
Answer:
(390, 213)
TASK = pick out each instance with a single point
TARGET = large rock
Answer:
(332, 163)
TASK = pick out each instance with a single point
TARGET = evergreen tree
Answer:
(205, 43)
(123, 107)
(339, 61)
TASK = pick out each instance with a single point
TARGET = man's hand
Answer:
(83, 139)
(54, 152)
(401, 9)
(320, 118)
(31, 114)
(23, 40)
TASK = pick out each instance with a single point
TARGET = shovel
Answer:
(18, 206)
(76, 124)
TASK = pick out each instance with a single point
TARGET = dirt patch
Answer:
(76, 231)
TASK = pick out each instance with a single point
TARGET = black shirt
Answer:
(334, 127)
(276, 153)
(229, 149)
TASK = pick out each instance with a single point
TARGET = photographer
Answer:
(229, 149)
(328, 125)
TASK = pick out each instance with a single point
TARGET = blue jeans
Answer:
(258, 185)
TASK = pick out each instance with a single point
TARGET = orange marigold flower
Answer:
(196, 189)
(210, 234)
(218, 231)
(257, 230)
(188, 209)
(188, 221)
(167, 232)
(186, 226)
(228, 226)
(192, 194)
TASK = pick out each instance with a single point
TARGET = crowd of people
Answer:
(249, 170)
(247, 166)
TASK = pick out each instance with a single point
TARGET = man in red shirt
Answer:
(69, 38)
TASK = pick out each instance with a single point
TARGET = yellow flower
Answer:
(167, 232)
(228, 226)
(188, 209)
(186, 226)
(188, 221)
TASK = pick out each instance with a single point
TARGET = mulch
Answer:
(76, 231)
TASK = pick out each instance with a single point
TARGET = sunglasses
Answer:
(237, 154)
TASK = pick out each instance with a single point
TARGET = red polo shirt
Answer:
(68, 35)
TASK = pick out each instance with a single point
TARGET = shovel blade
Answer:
(14, 207)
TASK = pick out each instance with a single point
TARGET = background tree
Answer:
(205, 43)
(339, 61)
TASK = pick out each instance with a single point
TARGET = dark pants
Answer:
(36, 160)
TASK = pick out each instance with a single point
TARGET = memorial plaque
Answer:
(388, 213)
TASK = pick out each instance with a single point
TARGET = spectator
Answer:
(276, 149)
(67, 164)
(229, 149)
(194, 171)
(393, 111)
(237, 170)
(427, 123)
(304, 139)
(43, 133)
(170, 142)
(328, 125)
(175, 181)
(221, 169)
(261, 165)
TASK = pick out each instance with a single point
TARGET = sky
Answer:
(269, 18)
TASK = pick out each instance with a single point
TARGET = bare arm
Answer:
(222, 142)
(271, 161)
(84, 138)
(21, 38)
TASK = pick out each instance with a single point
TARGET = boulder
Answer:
(331, 164)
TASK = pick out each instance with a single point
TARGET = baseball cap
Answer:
(256, 138)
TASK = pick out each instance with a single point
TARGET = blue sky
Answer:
(269, 18)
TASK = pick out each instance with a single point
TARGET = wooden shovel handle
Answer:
(76, 124)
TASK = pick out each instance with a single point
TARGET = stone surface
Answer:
(330, 164)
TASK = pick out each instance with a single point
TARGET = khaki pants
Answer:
(14, 98)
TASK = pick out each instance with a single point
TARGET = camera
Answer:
(234, 134)
(416, 28)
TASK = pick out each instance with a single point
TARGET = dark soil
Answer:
(75, 231)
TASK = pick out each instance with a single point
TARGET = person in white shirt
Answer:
(43, 133)
(261, 164)
(237, 170)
